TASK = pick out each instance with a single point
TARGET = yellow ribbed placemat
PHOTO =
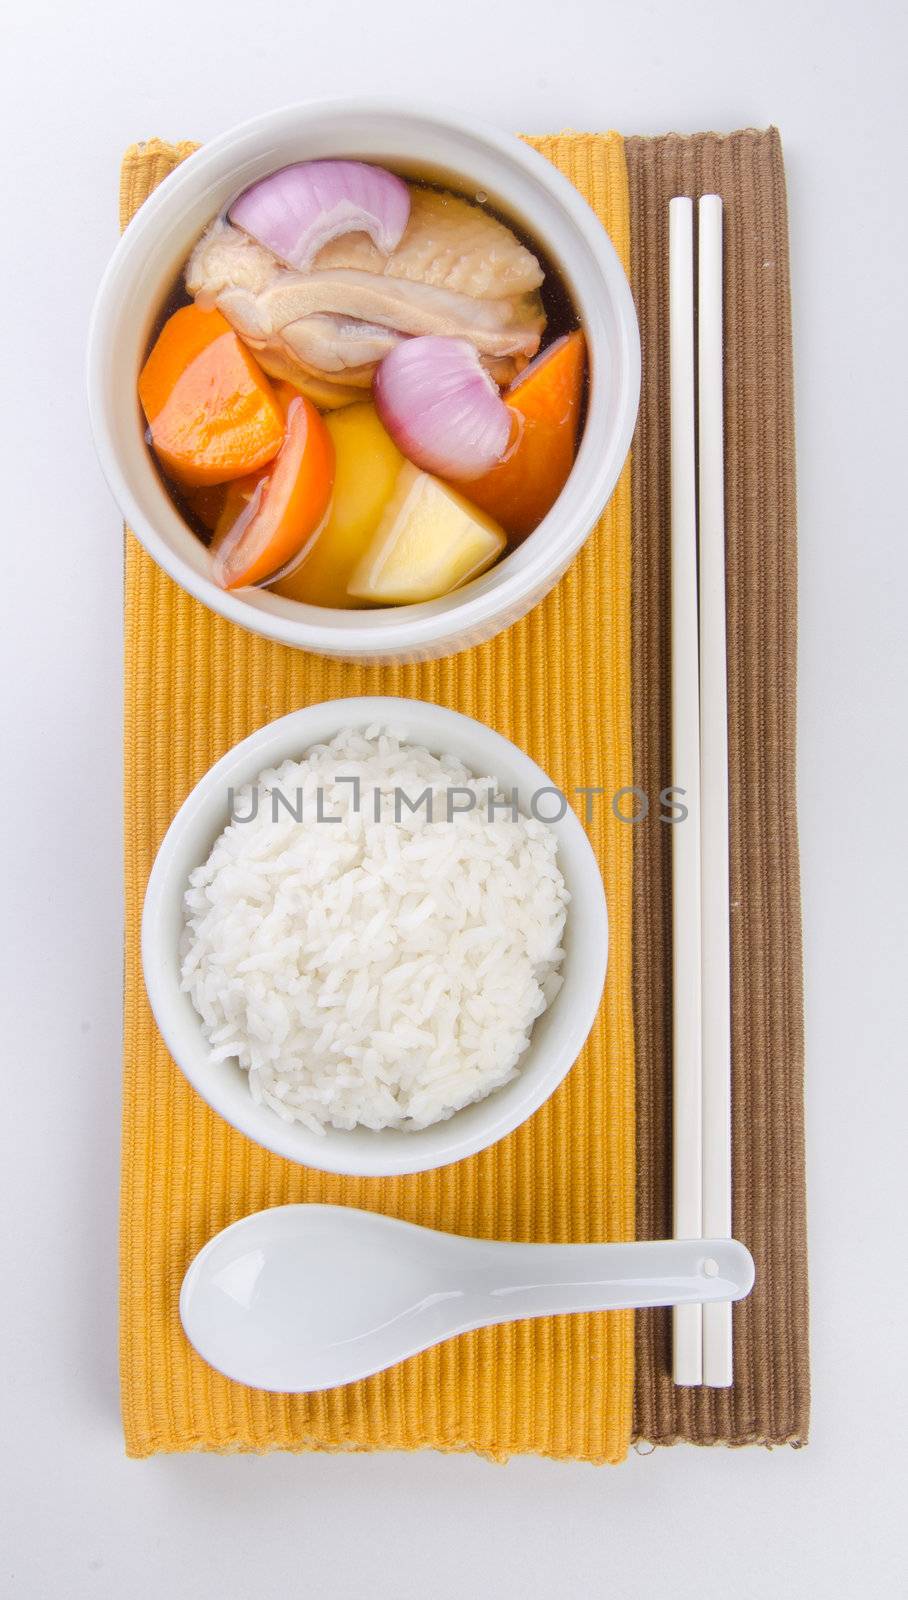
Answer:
(558, 684)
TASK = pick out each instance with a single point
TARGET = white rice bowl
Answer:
(374, 973)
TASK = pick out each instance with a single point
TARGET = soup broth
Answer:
(366, 386)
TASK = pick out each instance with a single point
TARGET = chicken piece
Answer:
(262, 298)
(495, 327)
(448, 242)
(328, 390)
(334, 344)
(340, 323)
(322, 391)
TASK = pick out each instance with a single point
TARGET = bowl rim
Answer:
(529, 570)
(503, 1110)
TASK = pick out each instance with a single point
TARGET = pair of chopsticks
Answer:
(701, 991)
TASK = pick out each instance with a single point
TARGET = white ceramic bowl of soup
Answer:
(472, 157)
(558, 1034)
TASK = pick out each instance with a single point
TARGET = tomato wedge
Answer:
(268, 518)
(546, 401)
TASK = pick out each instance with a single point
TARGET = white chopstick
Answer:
(687, 1188)
(714, 876)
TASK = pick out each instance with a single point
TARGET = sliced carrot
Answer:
(269, 517)
(546, 400)
(228, 501)
(212, 413)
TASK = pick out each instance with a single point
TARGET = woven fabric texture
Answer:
(559, 684)
(769, 1403)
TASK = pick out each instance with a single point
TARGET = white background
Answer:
(79, 1519)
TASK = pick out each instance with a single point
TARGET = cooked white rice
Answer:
(375, 973)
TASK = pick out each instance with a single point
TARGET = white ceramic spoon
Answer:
(308, 1297)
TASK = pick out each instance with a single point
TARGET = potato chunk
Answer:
(429, 541)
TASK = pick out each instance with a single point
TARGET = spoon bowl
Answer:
(306, 1297)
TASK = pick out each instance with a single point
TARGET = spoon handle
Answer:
(536, 1280)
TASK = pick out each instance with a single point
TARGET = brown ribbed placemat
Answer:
(769, 1403)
